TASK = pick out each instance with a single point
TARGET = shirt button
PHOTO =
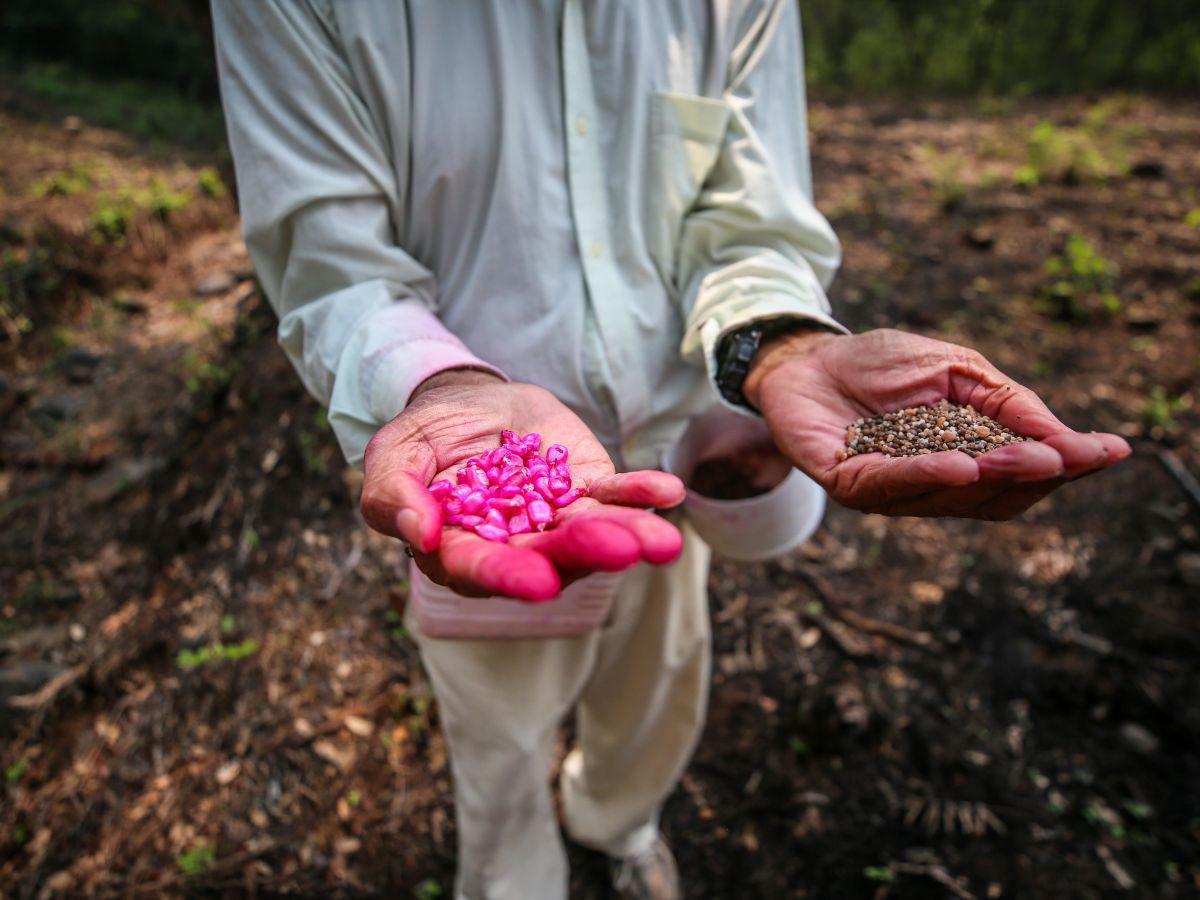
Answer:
(581, 125)
(597, 248)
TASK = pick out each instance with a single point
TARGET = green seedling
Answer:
(197, 860)
(218, 652)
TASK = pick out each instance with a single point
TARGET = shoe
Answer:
(648, 875)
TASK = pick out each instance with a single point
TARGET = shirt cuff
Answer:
(741, 311)
(397, 348)
(419, 348)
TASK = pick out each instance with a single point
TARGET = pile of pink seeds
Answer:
(510, 490)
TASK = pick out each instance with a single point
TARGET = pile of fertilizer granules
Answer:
(918, 430)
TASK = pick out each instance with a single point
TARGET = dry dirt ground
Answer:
(203, 688)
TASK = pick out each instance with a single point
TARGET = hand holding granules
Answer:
(918, 430)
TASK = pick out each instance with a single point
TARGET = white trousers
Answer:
(639, 686)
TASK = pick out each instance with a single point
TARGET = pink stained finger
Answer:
(661, 542)
(493, 568)
(647, 489)
(589, 542)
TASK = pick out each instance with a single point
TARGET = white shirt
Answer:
(582, 194)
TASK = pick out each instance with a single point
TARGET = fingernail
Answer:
(409, 526)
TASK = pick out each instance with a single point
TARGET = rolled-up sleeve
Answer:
(754, 247)
(318, 199)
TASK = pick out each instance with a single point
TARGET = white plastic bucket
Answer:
(754, 528)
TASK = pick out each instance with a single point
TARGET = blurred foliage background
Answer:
(1003, 47)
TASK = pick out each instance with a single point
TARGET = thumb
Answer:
(394, 500)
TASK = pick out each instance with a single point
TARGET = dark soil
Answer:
(203, 688)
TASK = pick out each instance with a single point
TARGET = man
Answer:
(589, 219)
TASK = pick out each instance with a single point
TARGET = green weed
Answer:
(197, 860)
(111, 218)
(1079, 278)
(882, 874)
(427, 890)
(210, 183)
(1159, 409)
(13, 773)
(218, 652)
(66, 183)
(160, 199)
(1071, 156)
(207, 376)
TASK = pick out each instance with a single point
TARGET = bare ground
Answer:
(203, 689)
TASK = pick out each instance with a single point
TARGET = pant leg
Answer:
(642, 710)
(500, 704)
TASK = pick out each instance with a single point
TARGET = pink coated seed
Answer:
(569, 497)
(492, 533)
(510, 489)
(540, 512)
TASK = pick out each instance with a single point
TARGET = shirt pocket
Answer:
(686, 133)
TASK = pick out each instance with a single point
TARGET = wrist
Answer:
(461, 377)
(791, 345)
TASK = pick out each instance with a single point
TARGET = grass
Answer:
(1081, 278)
(1159, 409)
(218, 652)
(145, 111)
(1091, 152)
(197, 860)
(13, 773)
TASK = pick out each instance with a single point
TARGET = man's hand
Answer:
(459, 414)
(810, 386)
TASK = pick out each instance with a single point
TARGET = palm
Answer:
(443, 428)
(809, 401)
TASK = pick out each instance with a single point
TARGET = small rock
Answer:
(1139, 738)
(78, 364)
(980, 237)
(59, 408)
(214, 283)
(926, 592)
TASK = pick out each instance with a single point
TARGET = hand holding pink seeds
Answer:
(509, 490)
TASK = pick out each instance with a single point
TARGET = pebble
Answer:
(1139, 738)
(918, 430)
(214, 283)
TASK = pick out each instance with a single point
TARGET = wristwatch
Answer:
(736, 351)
